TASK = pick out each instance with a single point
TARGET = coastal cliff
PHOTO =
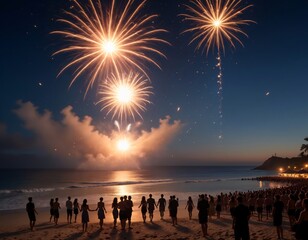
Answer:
(274, 163)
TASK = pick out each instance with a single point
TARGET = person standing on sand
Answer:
(161, 204)
(143, 205)
(277, 216)
(69, 209)
(76, 208)
(268, 202)
(85, 215)
(241, 218)
(218, 206)
(291, 209)
(101, 212)
(260, 202)
(129, 210)
(232, 206)
(190, 206)
(30, 207)
(123, 217)
(173, 207)
(203, 207)
(151, 206)
(212, 207)
(52, 215)
(56, 208)
(301, 232)
(115, 212)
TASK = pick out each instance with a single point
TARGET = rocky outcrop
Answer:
(274, 163)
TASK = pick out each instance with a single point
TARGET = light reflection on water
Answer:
(16, 185)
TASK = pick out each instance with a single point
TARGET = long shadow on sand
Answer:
(183, 229)
(152, 226)
(74, 236)
(16, 233)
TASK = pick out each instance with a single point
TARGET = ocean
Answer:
(16, 185)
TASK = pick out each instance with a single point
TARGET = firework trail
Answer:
(214, 23)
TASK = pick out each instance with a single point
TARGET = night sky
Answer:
(265, 110)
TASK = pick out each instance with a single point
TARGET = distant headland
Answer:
(276, 163)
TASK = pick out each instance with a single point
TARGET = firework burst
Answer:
(125, 96)
(216, 22)
(108, 39)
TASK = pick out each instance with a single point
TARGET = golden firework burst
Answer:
(126, 95)
(108, 39)
(216, 21)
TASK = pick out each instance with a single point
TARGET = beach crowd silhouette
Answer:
(292, 200)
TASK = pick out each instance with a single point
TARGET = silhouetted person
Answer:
(161, 204)
(85, 215)
(151, 207)
(277, 216)
(143, 205)
(241, 218)
(76, 208)
(173, 207)
(301, 231)
(31, 213)
(129, 210)
(260, 202)
(190, 206)
(51, 210)
(218, 206)
(101, 210)
(115, 212)
(56, 208)
(203, 207)
(69, 209)
(123, 217)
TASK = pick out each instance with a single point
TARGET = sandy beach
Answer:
(14, 225)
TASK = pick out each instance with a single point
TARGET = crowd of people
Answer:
(269, 203)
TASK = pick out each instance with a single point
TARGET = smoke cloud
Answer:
(76, 142)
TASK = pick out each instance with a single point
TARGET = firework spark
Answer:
(111, 39)
(216, 21)
(126, 95)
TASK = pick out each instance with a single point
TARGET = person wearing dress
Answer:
(143, 205)
(76, 208)
(101, 210)
(115, 211)
(85, 215)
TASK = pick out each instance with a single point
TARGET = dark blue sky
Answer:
(265, 82)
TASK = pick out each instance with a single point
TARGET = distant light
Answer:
(267, 93)
(178, 109)
(280, 169)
